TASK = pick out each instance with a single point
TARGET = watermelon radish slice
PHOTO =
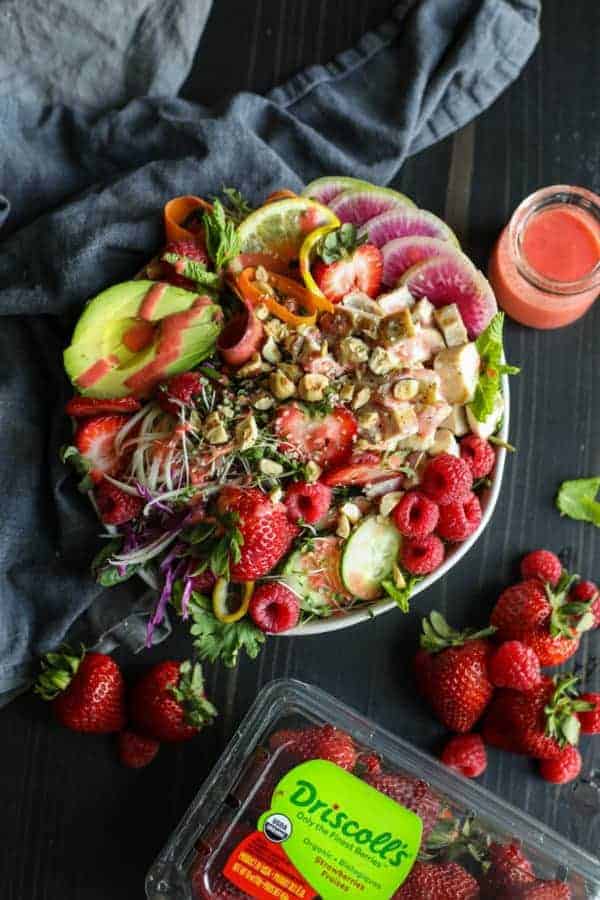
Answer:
(402, 222)
(443, 280)
(402, 253)
(360, 206)
(325, 189)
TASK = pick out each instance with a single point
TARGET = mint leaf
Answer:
(491, 351)
(81, 465)
(401, 596)
(194, 270)
(222, 641)
(577, 499)
(222, 239)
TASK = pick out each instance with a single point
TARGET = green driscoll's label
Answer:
(344, 837)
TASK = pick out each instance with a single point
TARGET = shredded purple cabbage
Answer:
(173, 566)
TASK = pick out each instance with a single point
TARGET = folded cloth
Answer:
(84, 193)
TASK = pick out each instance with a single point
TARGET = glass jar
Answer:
(549, 288)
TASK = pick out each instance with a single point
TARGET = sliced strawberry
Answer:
(361, 271)
(95, 440)
(362, 468)
(79, 407)
(325, 439)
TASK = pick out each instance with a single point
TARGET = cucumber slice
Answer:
(313, 573)
(369, 557)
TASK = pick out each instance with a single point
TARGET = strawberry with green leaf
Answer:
(547, 619)
(541, 722)
(347, 263)
(87, 691)
(169, 702)
(452, 672)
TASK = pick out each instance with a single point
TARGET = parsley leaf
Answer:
(194, 270)
(222, 239)
(401, 596)
(223, 641)
(577, 499)
(81, 465)
(491, 350)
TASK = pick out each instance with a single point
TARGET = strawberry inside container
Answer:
(312, 800)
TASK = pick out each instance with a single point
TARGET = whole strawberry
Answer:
(438, 881)
(542, 617)
(87, 691)
(455, 681)
(587, 592)
(168, 703)
(509, 871)
(542, 564)
(541, 721)
(260, 531)
(410, 792)
(320, 742)
(590, 720)
(115, 505)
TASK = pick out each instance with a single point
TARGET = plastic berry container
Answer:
(277, 818)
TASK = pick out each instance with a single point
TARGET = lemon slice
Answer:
(278, 229)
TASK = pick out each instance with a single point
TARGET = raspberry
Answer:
(307, 502)
(135, 750)
(563, 768)
(116, 506)
(420, 557)
(465, 753)
(415, 516)
(478, 454)
(590, 721)
(447, 479)
(460, 519)
(584, 591)
(514, 665)
(543, 565)
(274, 608)
(180, 389)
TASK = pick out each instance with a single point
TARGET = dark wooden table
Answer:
(74, 824)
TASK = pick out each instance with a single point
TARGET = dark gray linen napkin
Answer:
(84, 193)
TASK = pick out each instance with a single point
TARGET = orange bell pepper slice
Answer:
(283, 194)
(176, 211)
(248, 288)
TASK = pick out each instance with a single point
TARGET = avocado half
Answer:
(138, 333)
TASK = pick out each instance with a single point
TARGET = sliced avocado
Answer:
(178, 330)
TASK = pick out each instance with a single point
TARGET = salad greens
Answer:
(491, 350)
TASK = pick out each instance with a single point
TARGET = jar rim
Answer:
(547, 198)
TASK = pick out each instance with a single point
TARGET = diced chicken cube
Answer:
(400, 422)
(458, 368)
(429, 418)
(457, 421)
(420, 348)
(444, 442)
(422, 312)
(451, 325)
(396, 300)
(489, 425)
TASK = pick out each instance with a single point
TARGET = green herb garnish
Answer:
(577, 499)
(491, 351)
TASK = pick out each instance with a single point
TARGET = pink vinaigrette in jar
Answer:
(545, 267)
